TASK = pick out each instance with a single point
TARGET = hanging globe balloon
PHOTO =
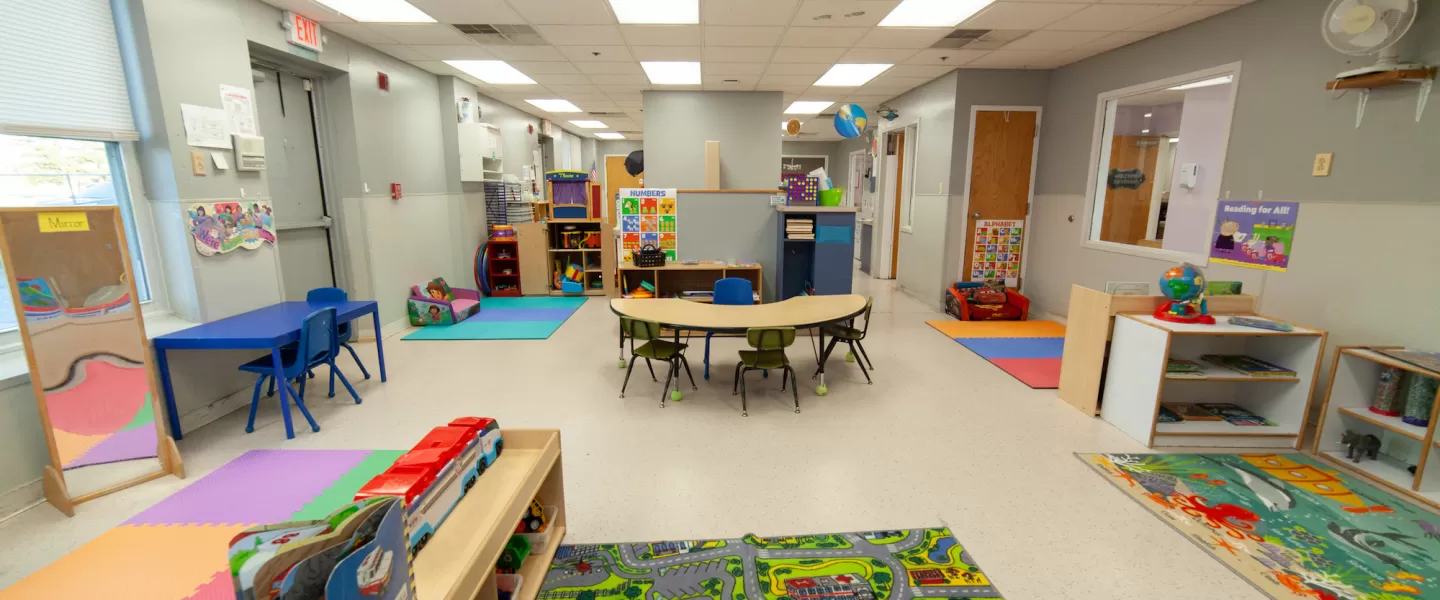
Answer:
(850, 121)
(792, 127)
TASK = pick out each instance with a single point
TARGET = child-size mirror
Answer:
(85, 344)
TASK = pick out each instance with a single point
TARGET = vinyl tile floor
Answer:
(942, 437)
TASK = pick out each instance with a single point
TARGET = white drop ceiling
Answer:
(581, 53)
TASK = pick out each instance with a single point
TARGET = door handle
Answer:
(975, 215)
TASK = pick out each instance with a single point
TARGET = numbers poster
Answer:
(647, 218)
(996, 251)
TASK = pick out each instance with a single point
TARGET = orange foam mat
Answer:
(140, 562)
(73, 445)
(998, 329)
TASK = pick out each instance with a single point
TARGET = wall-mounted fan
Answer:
(1361, 27)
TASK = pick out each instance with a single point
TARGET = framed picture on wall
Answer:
(802, 164)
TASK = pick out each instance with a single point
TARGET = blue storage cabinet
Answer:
(824, 264)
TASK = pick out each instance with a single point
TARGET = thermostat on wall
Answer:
(249, 152)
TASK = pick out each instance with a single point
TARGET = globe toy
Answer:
(850, 121)
(1183, 285)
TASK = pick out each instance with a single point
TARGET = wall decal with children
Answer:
(219, 227)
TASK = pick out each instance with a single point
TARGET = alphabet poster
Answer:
(996, 251)
(1258, 235)
(648, 217)
(219, 227)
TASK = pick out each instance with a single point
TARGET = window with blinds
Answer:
(61, 74)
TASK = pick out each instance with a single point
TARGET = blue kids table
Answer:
(267, 328)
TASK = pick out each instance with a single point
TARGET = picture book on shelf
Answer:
(1168, 416)
(1236, 415)
(1248, 365)
(1424, 360)
(1260, 323)
(1179, 368)
(1189, 412)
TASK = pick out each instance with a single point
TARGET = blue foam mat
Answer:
(988, 348)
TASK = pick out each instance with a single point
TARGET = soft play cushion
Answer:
(465, 307)
(435, 289)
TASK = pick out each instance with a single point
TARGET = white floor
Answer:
(942, 437)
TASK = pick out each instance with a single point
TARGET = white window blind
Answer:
(60, 71)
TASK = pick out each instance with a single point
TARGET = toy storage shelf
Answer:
(1354, 376)
(1136, 382)
(459, 561)
(595, 263)
(674, 278)
(826, 263)
(498, 265)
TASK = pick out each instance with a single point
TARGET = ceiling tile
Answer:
(661, 35)
(547, 79)
(488, 12)
(747, 12)
(1224, 2)
(359, 32)
(581, 35)
(1146, 1)
(610, 68)
(526, 53)
(421, 33)
(867, 99)
(1110, 17)
(743, 36)
(735, 83)
(691, 53)
(564, 12)
(608, 79)
(944, 57)
(770, 81)
(1011, 59)
(726, 68)
(460, 52)
(808, 55)
(596, 53)
(811, 69)
(436, 67)
(877, 55)
(619, 93)
(918, 71)
(401, 52)
(575, 90)
(1116, 40)
(320, 13)
(719, 54)
(823, 37)
(888, 80)
(1060, 1)
(539, 68)
(1181, 17)
(902, 37)
(1054, 40)
(842, 13)
(1006, 15)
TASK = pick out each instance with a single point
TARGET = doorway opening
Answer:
(1000, 183)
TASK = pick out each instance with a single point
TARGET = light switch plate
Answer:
(1322, 164)
(197, 163)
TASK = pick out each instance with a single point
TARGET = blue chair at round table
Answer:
(318, 346)
(343, 331)
(733, 291)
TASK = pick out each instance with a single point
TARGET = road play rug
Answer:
(896, 565)
(1027, 350)
(1287, 524)
(522, 318)
(177, 548)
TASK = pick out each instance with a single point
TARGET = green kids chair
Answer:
(851, 336)
(656, 349)
(769, 353)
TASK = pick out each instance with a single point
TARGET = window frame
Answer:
(1098, 139)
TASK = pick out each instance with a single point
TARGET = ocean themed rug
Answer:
(1027, 350)
(895, 564)
(1288, 524)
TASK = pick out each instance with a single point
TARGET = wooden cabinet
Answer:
(534, 248)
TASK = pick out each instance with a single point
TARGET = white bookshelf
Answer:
(1136, 382)
(1354, 377)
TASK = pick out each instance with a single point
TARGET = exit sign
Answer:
(302, 32)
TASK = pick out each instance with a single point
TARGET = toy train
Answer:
(434, 475)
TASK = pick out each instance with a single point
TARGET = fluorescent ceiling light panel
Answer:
(1141, 131)
(497, 72)
(933, 13)
(657, 11)
(808, 107)
(672, 73)
(379, 11)
(1148, 115)
(554, 105)
(851, 75)
(1204, 83)
(589, 124)
(609, 135)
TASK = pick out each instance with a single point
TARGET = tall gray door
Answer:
(292, 167)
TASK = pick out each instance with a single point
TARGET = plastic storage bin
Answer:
(507, 586)
(539, 540)
(831, 197)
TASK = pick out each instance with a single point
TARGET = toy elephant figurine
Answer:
(1360, 445)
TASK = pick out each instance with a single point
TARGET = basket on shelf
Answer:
(649, 256)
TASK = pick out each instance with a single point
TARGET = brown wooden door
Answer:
(899, 141)
(1000, 167)
(615, 178)
(1127, 211)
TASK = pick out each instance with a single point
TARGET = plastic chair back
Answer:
(734, 290)
(869, 302)
(771, 338)
(327, 294)
(317, 337)
(636, 329)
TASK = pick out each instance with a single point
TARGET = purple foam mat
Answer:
(522, 314)
(261, 486)
(139, 442)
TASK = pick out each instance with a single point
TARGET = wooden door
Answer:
(1000, 167)
(899, 140)
(1127, 211)
(615, 178)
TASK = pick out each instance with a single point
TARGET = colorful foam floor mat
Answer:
(186, 536)
(1288, 524)
(895, 565)
(1027, 350)
(522, 318)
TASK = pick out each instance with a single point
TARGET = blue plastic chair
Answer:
(343, 333)
(733, 291)
(318, 346)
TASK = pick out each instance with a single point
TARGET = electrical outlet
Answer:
(1322, 164)
(197, 163)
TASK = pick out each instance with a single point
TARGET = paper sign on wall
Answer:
(995, 253)
(51, 222)
(205, 126)
(1258, 235)
(239, 110)
(219, 227)
(648, 216)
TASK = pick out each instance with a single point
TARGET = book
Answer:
(1424, 360)
(1178, 368)
(360, 550)
(1248, 365)
(1223, 288)
(1189, 412)
(1168, 416)
(1260, 323)
(1235, 415)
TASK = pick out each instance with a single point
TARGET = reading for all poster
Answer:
(1258, 235)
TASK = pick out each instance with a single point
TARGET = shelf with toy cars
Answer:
(500, 263)
(1387, 405)
(580, 255)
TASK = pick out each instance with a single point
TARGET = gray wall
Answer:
(837, 169)
(725, 226)
(1382, 186)
(677, 125)
(608, 147)
(922, 249)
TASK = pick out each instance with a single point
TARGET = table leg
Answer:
(284, 386)
(821, 390)
(622, 346)
(379, 343)
(169, 393)
(675, 396)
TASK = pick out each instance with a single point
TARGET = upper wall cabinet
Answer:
(480, 152)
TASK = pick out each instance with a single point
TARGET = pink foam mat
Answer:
(261, 486)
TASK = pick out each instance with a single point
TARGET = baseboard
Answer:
(394, 327)
(24, 497)
(1047, 316)
(211, 412)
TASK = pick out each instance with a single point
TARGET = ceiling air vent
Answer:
(979, 39)
(607, 114)
(502, 35)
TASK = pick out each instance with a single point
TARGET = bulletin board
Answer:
(648, 216)
(996, 250)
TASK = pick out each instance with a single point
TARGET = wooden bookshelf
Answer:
(675, 277)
